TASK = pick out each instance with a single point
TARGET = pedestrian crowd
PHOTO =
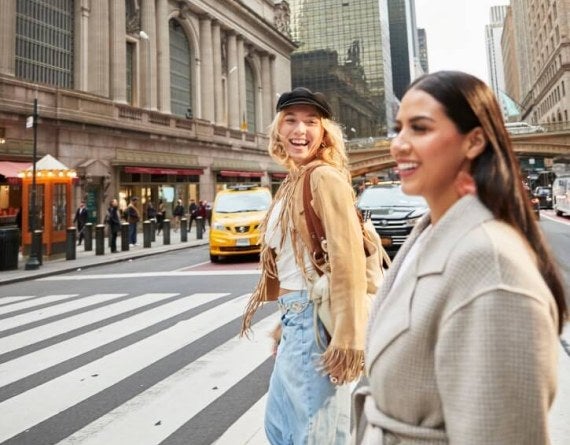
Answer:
(460, 343)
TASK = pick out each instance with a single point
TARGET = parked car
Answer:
(392, 212)
(523, 128)
(236, 215)
(534, 202)
(544, 196)
(561, 194)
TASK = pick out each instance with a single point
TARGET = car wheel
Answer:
(214, 258)
(558, 212)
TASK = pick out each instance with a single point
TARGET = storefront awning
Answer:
(241, 174)
(10, 169)
(165, 171)
(279, 175)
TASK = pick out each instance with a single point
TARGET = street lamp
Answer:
(143, 35)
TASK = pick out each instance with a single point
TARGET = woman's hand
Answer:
(276, 336)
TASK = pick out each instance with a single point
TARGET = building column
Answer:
(241, 79)
(118, 52)
(206, 70)
(233, 83)
(218, 89)
(8, 37)
(98, 53)
(266, 92)
(148, 52)
(163, 44)
(81, 45)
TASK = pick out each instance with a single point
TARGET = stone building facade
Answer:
(155, 98)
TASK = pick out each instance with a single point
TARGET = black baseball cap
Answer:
(304, 96)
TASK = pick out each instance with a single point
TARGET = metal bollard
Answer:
(124, 237)
(88, 236)
(147, 228)
(35, 260)
(166, 232)
(153, 230)
(183, 230)
(70, 240)
(199, 227)
(100, 239)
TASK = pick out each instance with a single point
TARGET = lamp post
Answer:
(143, 35)
(33, 262)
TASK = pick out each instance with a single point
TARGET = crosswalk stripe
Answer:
(248, 429)
(10, 308)
(4, 301)
(179, 397)
(22, 412)
(39, 360)
(59, 309)
(116, 276)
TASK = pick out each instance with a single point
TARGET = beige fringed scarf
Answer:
(345, 363)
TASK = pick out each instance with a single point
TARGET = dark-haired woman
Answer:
(463, 342)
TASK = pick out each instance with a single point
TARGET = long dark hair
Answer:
(470, 103)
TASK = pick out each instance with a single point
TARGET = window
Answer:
(250, 98)
(44, 41)
(130, 71)
(180, 71)
(59, 211)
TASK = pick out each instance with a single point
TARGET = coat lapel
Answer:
(390, 316)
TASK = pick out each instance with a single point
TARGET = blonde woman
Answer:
(309, 396)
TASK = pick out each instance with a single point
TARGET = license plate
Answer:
(242, 242)
(386, 241)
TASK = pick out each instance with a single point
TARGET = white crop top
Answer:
(289, 273)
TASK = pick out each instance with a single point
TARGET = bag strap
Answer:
(316, 231)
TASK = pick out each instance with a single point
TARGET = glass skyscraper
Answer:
(344, 51)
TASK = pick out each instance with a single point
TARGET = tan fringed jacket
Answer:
(333, 201)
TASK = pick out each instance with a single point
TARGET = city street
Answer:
(145, 351)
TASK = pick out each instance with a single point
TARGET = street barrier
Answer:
(88, 236)
(166, 232)
(183, 230)
(100, 239)
(70, 241)
(147, 233)
(124, 237)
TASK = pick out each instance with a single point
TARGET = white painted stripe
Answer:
(31, 363)
(555, 219)
(11, 299)
(248, 429)
(52, 329)
(175, 400)
(35, 302)
(23, 411)
(150, 274)
(60, 309)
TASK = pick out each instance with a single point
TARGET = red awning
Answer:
(165, 171)
(279, 175)
(10, 169)
(241, 174)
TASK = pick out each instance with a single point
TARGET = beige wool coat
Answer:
(463, 350)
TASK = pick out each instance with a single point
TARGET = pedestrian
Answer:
(201, 215)
(208, 207)
(133, 217)
(178, 213)
(150, 212)
(160, 215)
(463, 339)
(114, 221)
(193, 212)
(309, 393)
(80, 219)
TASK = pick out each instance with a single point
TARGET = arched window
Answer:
(44, 42)
(250, 110)
(180, 71)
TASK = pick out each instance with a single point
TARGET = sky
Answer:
(455, 32)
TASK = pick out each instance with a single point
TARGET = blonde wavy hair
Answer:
(332, 149)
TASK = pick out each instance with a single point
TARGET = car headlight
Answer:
(412, 221)
(218, 226)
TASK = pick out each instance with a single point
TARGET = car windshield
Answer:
(389, 197)
(243, 202)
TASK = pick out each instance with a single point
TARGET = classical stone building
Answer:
(155, 98)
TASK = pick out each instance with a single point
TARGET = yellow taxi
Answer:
(236, 215)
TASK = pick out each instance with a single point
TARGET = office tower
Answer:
(344, 51)
(493, 32)
(422, 45)
(404, 44)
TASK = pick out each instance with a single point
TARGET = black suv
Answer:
(392, 212)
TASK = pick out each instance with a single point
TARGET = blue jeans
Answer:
(303, 406)
(132, 233)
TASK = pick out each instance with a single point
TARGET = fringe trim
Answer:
(346, 365)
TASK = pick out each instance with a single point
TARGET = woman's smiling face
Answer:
(429, 150)
(301, 131)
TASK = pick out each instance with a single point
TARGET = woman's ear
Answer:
(477, 143)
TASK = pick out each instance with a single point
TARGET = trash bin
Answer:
(9, 248)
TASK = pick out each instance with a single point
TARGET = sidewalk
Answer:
(85, 259)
